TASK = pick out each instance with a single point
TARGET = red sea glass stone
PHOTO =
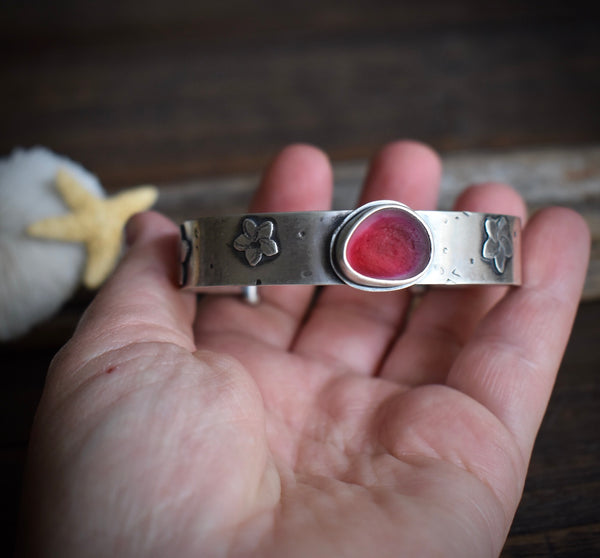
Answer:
(390, 244)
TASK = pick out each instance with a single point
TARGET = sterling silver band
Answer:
(334, 247)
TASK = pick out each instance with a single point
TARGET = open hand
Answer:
(338, 426)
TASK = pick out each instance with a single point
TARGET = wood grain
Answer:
(166, 96)
(196, 97)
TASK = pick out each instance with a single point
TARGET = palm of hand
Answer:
(354, 458)
(253, 436)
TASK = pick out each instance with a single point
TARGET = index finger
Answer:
(141, 302)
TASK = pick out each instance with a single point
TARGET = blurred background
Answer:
(162, 91)
(198, 93)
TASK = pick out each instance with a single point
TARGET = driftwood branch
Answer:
(568, 177)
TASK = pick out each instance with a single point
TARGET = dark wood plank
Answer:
(139, 106)
(232, 20)
(576, 542)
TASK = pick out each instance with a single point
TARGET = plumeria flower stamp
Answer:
(497, 247)
(256, 241)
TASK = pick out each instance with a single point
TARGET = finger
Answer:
(510, 363)
(141, 302)
(360, 325)
(446, 318)
(299, 179)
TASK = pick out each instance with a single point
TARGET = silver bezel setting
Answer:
(339, 244)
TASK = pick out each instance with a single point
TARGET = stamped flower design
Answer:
(497, 248)
(256, 241)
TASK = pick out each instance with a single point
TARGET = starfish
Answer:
(97, 222)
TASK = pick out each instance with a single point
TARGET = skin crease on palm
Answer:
(327, 425)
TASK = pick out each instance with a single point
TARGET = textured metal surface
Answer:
(303, 250)
(296, 248)
(460, 239)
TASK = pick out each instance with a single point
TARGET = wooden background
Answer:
(197, 97)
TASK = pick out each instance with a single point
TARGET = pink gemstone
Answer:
(390, 244)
